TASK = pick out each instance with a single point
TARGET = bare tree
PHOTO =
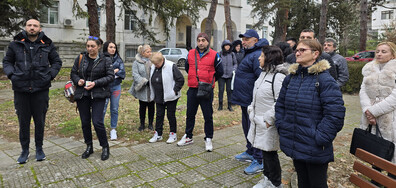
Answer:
(323, 22)
(210, 19)
(110, 21)
(280, 24)
(363, 25)
(93, 19)
(227, 13)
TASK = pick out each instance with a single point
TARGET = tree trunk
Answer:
(282, 15)
(323, 22)
(363, 25)
(93, 19)
(209, 20)
(110, 21)
(227, 13)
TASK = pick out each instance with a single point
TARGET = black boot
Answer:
(230, 108)
(87, 151)
(105, 153)
(220, 106)
(141, 128)
(150, 126)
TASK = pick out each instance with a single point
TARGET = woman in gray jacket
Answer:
(140, 88)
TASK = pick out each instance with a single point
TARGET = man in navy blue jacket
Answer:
(247, 73)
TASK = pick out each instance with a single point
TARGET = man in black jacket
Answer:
(309, 34)
(31, 62)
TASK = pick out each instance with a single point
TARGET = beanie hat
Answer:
(204, 35)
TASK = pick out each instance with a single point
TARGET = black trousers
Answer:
(192, 107)
(225, 82)
(142, 111)
(170, 107)
(272, 168)
(311, 175)
(92, 109)
(28, 105)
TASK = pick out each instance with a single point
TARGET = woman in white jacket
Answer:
(378, 92)
(262, 133)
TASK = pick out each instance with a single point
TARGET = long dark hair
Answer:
(106, 45)
(273, 57)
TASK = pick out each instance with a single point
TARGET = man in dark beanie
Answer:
(203, 64)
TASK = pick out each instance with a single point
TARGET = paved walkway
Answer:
(144, 165)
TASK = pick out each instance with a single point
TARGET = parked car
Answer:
(365, 56)
(177, 55)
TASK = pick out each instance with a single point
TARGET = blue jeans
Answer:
(114, 103)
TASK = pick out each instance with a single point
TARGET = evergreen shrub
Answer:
(355, 77)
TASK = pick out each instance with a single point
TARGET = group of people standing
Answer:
(289, 100)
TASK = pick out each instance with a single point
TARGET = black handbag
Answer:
(374, 144)
(205, 90)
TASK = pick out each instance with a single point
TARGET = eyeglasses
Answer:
(301, 50)
(92, 37)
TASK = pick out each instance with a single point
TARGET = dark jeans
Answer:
(142, 111)
(272, 168)
(225, 82)
(256, 153)
(28, 105)
(192, 107)
(311, 175)
(170, 107)
(92, 109)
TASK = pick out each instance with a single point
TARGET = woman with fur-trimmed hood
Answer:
(309, 113)
(378, 94)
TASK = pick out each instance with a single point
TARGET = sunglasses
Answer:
(301, 50)
(92, 37)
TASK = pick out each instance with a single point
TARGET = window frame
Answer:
(48, 11)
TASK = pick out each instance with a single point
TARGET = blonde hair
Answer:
(143, 48)
(391, 45)
(156, 57)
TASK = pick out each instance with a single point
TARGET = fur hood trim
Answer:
(370, 67)
(316, 68)
(140, 59)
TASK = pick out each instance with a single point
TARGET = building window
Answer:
(98, 18)
(265, 32)
(49, 15)
(130, 21)
(387, 15)
(248, 26)
(130, 52)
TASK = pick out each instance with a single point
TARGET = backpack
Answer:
(70, 88)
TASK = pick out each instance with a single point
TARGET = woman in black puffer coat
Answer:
(92, 75)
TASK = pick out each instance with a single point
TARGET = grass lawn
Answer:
(63, 118)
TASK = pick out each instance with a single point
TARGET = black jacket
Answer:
(31, 65)
(102, 74)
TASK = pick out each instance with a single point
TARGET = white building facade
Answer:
(69, 33)
(383, 17)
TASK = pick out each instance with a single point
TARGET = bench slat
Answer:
(374, 174)
(376, 161)
(360, 182)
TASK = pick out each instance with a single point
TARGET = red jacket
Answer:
(206, 67)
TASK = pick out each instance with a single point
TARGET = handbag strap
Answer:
(377, 131)
(196, 67)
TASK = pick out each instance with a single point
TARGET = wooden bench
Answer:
(371, 173)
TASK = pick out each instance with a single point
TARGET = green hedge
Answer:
(355, 77)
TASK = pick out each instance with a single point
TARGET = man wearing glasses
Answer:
(31, 62)
(309, 34)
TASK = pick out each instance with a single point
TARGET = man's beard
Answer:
(32, 34)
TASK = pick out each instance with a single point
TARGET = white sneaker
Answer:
(172, 138)
(185, 141)
(113, 134)
(155, 138)
(208, 145)
(263, 183)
